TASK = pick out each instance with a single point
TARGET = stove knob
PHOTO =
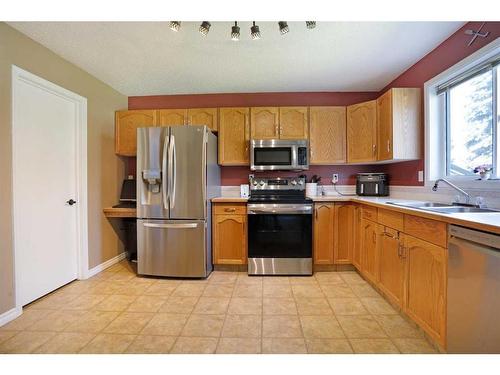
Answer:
(294, 182)
(254, 183)
(261, 183)
(301, 182)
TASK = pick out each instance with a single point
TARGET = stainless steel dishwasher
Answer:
(473, 291)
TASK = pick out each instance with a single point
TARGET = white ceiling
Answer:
(147, 58)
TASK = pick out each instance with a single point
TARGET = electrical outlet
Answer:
(335, 178)
(420, 176)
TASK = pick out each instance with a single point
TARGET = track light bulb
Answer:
(235, 32)
(255, 32)
(204, 28)
(175, 25)
(283, 27)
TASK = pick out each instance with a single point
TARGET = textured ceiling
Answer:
(147, 58)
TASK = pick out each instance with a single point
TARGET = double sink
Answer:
(443, 208)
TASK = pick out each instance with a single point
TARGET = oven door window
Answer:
(280, 236)
(272, 156)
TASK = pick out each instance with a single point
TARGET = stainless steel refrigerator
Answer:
(177, 176)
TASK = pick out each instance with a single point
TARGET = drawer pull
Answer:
(229, 209)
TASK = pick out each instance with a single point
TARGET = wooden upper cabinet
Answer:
(327, 135)
(426, 285)
(203, 116)
(234, 136)
(126, 124)
(172, 117)
(399, 124)
(324, 226)
(391, 265)
(344, 233)
(294, 123)
(362, 132)
(264, 122)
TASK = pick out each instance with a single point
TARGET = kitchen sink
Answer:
(443, 208)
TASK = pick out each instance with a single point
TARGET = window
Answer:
(472, 126)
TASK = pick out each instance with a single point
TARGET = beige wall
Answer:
(105, 169)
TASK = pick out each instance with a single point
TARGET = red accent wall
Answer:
(448, 53)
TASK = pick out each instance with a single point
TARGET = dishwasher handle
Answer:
(487, 240)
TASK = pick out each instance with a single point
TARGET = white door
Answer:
(45, 134)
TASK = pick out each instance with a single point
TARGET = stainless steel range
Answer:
(279, 227)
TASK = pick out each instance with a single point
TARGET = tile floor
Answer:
(118, 312)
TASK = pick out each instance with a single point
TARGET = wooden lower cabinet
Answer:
(323, 233)
(426, 275)
(229, 237)
(356, 248)
(344, 233)
(391, 265)
(369, 249)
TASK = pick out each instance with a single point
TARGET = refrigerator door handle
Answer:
(173, 171)
(164, 174)
(171, 226)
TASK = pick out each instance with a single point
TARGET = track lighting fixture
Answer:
(235, 32)
(205, 28)
(175, 25)
(255, 32)
(283, 27)
(310, 24)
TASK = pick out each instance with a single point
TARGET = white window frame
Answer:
(435, 122)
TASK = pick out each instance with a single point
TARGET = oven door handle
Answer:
(278, 211)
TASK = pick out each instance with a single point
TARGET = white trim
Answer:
(433, 133)
(10, 315)
(80, 102)
(101, 267)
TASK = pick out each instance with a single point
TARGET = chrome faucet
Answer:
(468, 198)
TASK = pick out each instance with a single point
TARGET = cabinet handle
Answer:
(388, 145)
(229, 209)
(400, 246)
(374, 237)
(374, 149)
(389, 235)
(316, 213)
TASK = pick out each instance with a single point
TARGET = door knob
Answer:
(71, 202)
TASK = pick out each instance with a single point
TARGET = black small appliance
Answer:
(372, 184)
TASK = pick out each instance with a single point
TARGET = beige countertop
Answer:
(489, 222)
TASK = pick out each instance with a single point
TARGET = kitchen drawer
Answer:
(389, 218)
(432, 231)
(230, 209)
(369, 213)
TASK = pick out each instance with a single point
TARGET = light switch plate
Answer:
(420, 176)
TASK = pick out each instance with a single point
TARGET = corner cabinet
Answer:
(234, 136)
(344, 233)
(399, 124)
(327, 135)
(369, 250)
(362, 132)
(229, 233)
(126, 124)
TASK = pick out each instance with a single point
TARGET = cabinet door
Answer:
(384, 124)
(344, 230)
(356, 256)
(126, 124)
(264, 122)
(327, 135)
(369, 242)
(203, 116)
(230, 239)
(391, 265)
(362, 132)
(324, 226)
(172, 117)
(294, 123)
(426, 285)
(234, 132)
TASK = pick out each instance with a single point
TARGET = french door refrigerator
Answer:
(177, 176)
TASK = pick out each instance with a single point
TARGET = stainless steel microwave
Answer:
(279, 154)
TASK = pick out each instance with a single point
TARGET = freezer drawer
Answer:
(175, 248)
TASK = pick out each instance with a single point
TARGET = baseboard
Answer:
(12, 314)
(101, 267)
